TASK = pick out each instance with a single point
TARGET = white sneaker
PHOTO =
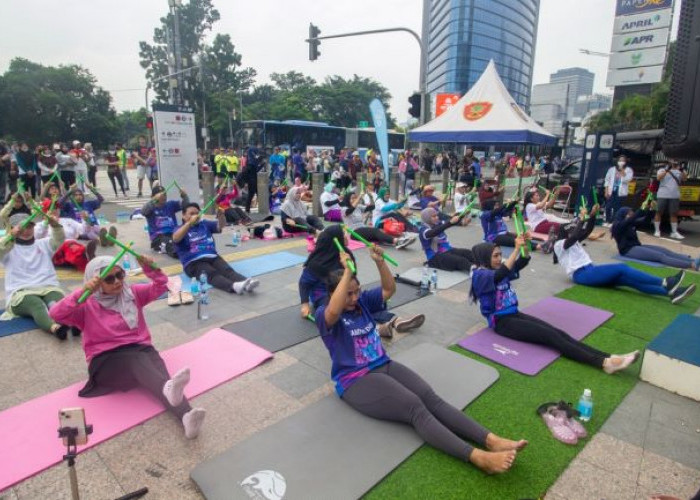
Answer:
(174, 389)
(607, 224)
(657, 234)
(192, 422)
(239, 286)
(677, 236)
(404, 241)
(251, 284)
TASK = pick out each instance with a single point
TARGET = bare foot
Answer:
(497, 443)
(492, 462)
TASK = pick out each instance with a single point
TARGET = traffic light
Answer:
(149, 122)
(414, 110)
(314, 42)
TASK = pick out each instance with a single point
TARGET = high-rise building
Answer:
(464, 35)
(580, 82)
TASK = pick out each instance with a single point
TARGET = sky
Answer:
(103, 36)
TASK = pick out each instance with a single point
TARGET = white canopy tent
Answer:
(487, 114)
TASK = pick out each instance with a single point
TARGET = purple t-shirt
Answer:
(353, 342)
(495, 299)
(198, 242)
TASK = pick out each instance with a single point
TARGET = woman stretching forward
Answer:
(370, 382)
(117, 342)
(499, 305)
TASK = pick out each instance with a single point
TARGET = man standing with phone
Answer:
(616, 186)
(668, 196)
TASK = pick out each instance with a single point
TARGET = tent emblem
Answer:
(477, 110)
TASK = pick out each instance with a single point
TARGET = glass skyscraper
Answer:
(463, 35)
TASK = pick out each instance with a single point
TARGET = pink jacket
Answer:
(105, 329)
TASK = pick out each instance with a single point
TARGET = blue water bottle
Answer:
(203, 303)
(585, 406)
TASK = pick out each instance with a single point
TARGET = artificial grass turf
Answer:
(508, 408)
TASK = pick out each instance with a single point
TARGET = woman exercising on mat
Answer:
(117, 342)
(438, 251)
(578, 265)
(499, 305)
(370, 382)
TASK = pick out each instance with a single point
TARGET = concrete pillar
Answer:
(394, 183)
(317, 183)
(263, 193)
(208, 190)
(445, 180)
(424, 178)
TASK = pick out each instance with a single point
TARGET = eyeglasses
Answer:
(119, 275)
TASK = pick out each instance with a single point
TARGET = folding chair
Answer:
(563, 199)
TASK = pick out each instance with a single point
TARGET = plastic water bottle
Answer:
(433, 281)
(585, 406)
(203, 303)
(425, 279)
(145, 227)
(236, 238)
(194, 288)
(126, 264)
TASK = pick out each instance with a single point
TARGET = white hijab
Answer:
(124, 303)
(293, 208)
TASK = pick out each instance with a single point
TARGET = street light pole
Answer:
(148, 84)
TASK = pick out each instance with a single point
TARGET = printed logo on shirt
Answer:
(368, 348)
(505, 296)
(265, 485)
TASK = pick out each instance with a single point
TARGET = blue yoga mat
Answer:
(680, 340)
(645, 262)
(16, 325)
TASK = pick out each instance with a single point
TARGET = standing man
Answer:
(277, 164)
(616, 185)
(121, 155)
(299, 165)
(669, 196)
(140, 157)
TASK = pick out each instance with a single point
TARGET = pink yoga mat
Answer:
(352, 245)
(575, 319)
(28, 432)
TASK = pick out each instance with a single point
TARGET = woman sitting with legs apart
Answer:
(354, 215)
(624, 230)
(117, 342)
(197, 252)
(234, 214)
(294, 213)
(436, 246)
(330, 203)
(313, 283)
(31, 283)
(499, 305)
(539, 221)
(578, 265)
(370, 382)
(496, 231)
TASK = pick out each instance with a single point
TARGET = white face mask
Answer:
(621, 164)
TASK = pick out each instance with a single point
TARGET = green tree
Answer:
(346, 102)
(131, 125)
(49, 104)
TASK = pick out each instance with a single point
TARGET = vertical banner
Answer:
(379, 118)
(176, 147)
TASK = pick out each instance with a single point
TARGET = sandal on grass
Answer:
(555, 420)
(570, 415)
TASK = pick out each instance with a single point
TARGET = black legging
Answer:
(29, 183)
(526, 328)
(236, 215)
(455, 259)
(118, 176)
(219, 274)
(374, 234)
(92, 175)
(252, 191)
(394, 392)
(310, 221)
(170, 248)
(505, 240)
(67, 177)
(128, 367)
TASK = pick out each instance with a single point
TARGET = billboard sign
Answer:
(639, 22)
(637, 58)
(635, 76)
(443, 102)
(640, 40)
(627, 7)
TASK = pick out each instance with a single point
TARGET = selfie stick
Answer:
(70, 433)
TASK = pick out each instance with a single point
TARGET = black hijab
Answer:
(324, 259)
(482, 254)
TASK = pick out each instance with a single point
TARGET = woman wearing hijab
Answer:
(313, 283)
(436, 246)
(293, 212)
(569, 252)
(329, 203)
(354, 215)
(117, 342)
(499, 305)
(624, 230)
(31, 284)
(384, 208)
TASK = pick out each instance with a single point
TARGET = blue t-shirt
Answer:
(312, 289)
(353, 342)
(70, 211)
(162, 220)
(443, 245)
(495, 299)
(492, 224)
(198, 243)
(425, 200)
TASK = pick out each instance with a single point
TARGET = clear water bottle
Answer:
(585, 406)
(203, 303)
(126, 264)
(236, 238)
(425, 279)
(145, 227)
(433, 281)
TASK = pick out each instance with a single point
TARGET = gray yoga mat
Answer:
(446, 279)
(284, 328)
(328, 450)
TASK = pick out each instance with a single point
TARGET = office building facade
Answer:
(464, 35)
(580, 83)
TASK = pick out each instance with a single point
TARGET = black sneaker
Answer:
(75, 331)
(90, 249)
(682, 293)
(61, 332)
(673, 282)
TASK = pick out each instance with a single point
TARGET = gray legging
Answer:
(394, 392)
(654, 253)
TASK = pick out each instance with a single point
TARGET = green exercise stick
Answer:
(310, 317)
(387, 258)
(520, 229)
(595, 195)
(20, 186)
(77, 205)
(349, 262)
(23, 225)
(105, 272)
(170, 186)
(128, 249)
(53, 203)
(54, 175)
(209, 204)
(583, 202)
(467, 208)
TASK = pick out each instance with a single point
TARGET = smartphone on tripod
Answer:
(74, 418)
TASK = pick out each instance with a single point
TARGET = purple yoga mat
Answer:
(575, 319)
